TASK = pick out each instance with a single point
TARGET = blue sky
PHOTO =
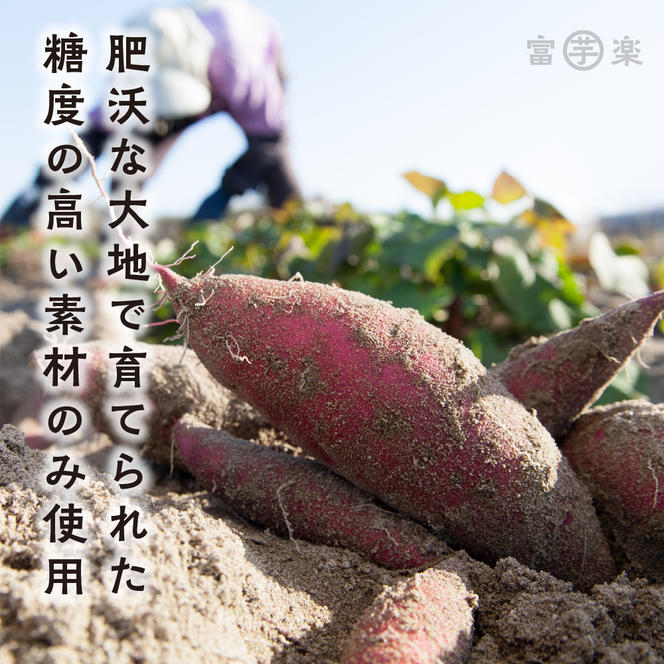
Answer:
(379, 88)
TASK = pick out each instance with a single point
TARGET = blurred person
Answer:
(208, 57)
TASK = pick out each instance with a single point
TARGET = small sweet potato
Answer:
(618, 451)
(301, 498)
(426, 619)
(176, 383)
(562, 375)
(401, 410)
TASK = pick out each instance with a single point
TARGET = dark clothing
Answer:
(266, 163)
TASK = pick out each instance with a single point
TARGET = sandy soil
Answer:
(219, 589)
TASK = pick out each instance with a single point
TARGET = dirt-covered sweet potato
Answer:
(176, 383)
(399, 409)
(618, 451)
(561, 376)
(424, 620)
(301, 498)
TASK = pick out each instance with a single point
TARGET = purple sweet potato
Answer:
(401, 410)
(424, 620)
(301, 498)
(176, 384)
(561, 376)
(618, 451)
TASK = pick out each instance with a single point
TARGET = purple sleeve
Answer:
(245, 67)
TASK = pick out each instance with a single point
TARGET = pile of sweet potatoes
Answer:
(410, 418)
(408, 414)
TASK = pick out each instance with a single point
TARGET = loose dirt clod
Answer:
(19, 336)
(18, 463)
(228, 592)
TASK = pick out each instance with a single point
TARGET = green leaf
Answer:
(512, 277)
(658, 274)
(627, 249)
(545, 210)
(570, 286)
(484, 344)
(525, 236)
(559, 313)
(513, 262)
(546, 265)
(532, 300)
(425, 300)
(367, 283)
(466, 200)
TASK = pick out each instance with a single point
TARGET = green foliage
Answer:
(491, 284)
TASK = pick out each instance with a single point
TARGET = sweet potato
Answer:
(301, 498)
(399, 409)
(176, 384)
(426, 619)
(562, 375)
(618, 451)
